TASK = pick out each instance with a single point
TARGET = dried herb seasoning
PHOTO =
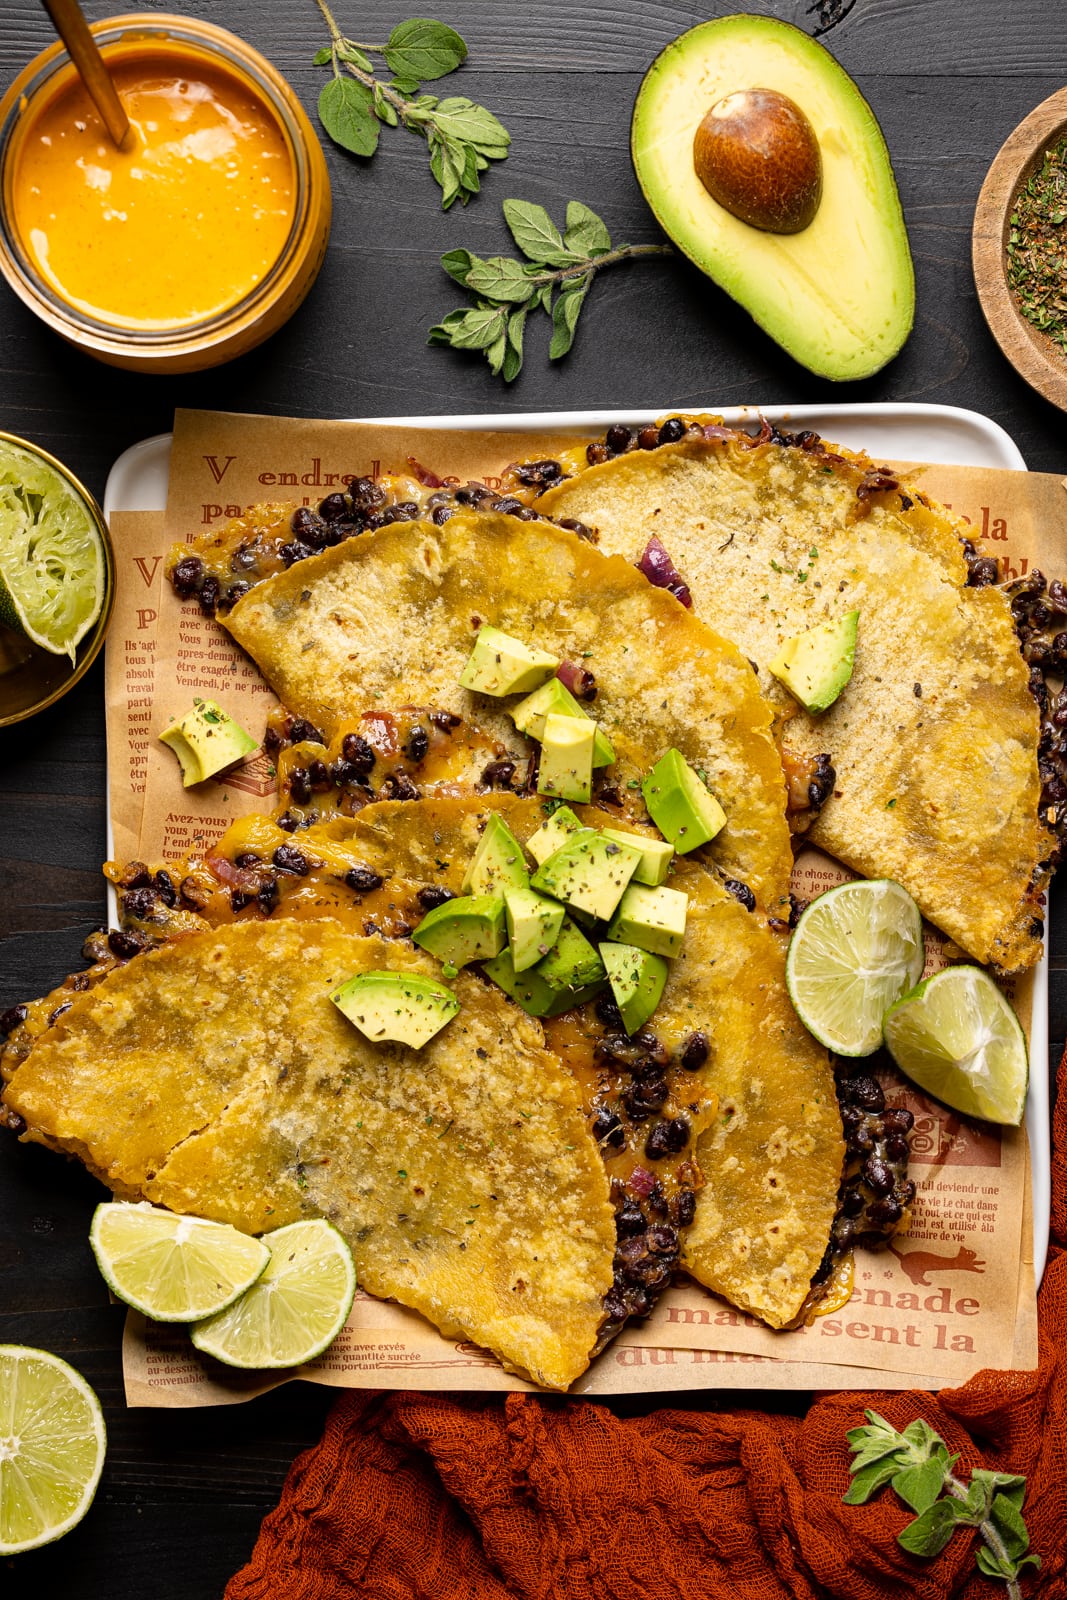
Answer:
(1037, 246)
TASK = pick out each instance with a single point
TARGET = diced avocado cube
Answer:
(652, 919)
(533, 926)
(499, 664)
(469, 928)
(205, 740)
(554, 832)
(553, 698)
(589, 873)
(498, 863)
(401, 1007)
(566, 769)
(681, 804)
(816, 665)
(656, 855)
(637, 978)
(572, 963)
(531, 992)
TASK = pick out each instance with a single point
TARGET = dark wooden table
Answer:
(183, 1494)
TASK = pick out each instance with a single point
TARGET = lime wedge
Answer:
(957, 1037)
(52, 573)
(294, 1310)
(52, 1445)
(174, 1269)
(855, 950)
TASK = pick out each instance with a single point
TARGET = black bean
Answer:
(418, 744)
(672, 430)
(861, 1141)
(164, 887)
(126, 943)
(741, 891)
(629, 1219)
(852, 1202)
(296, 550)
(897, 1119)
(288, 823)
(896, 1146)
(366, 495)
(877, 1175)
(441, 514)
(267, 895)
(136, 876)
(398, 786)
(333, 508)
(287, 858)
(851, 1117)
(618, 439)
(345, 774)
(356, 750)
(865, 1091)
(883, 1213)
(303, 731)
(187, 575)
(139, 903)
(434, 895)
(363, 880)
(663, 1239)
(607, 1010)
(607, 1129)
(12, 1018)
(319, 776)
(667, 1138)
(537, 474)
(209, 595)
(299, 785)
(498, 774)
(683, 1208)
(644, 1097)
(695, 1051)
(648, 438)
(597, 453)
(304, 520)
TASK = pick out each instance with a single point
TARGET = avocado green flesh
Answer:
(470, 928)
(396, 1007)
(839, 296)
(816, 665)
(498, 862)
(637, 979)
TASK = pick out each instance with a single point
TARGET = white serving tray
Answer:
(139, 479)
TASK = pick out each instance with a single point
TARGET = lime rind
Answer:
(957, 1037)
(855, 950)
(52, 570)
(52, 1446)
(295, 1310)
(173, 1268)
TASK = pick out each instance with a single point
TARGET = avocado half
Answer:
(839, 296)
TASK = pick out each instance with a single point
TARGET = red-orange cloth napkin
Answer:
(418, 1497)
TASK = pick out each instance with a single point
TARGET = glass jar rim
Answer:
(239, 58)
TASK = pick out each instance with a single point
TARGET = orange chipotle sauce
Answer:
(180, 223)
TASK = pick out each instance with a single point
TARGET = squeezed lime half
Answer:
(52, 569)
(957, 1037)
(855, 950)
(52, 1444)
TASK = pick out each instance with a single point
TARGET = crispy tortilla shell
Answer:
(389, 618)
(215, 1077)
(935, 739)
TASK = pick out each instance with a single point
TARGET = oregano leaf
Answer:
(383, 110)
(496, 353)
(457, 263)
(500, 278)
(536, 234)
(868, 1480)
(930, 1533)
(920, 1486)
(347, 51)
(585, 233)
(565, 315)
(459, 118)
(323, 57)
(423, 49)
(478, 328)
(1007, 1520)
(347, 113)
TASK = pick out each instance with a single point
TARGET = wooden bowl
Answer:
(1033, 355)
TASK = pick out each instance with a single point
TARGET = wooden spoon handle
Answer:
(73, 29)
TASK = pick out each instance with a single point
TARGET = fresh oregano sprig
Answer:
(556, 276)
(463, 137)
(917, 1465)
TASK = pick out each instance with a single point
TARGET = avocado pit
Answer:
(757, 154)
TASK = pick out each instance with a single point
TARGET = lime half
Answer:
(174, 1269)
(294, 1310)
(957, 1037)
(855, 950)
(52, 1444)
(52, 571)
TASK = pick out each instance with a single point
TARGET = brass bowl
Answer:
(1035, 356)
(40, 678)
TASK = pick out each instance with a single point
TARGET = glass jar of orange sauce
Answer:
(194, 241)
